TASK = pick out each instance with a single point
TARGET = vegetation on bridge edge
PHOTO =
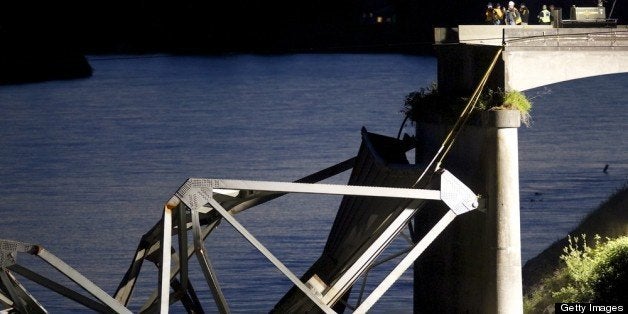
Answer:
(429, 105)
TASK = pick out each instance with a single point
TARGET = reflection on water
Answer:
(87, 164)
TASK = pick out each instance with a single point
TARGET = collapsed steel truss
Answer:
(199, 196)
(198, 206)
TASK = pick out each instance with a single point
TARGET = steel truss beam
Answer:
(150, 246)
(203, 196)
(199, 205)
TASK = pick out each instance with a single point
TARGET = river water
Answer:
(87, 164)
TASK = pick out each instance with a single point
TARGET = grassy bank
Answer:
(571, 269)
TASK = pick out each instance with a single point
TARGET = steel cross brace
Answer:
(195, 198)
(165, 274)
(149, 248)
(406, 262)
(198, 196)
(8, 262)
(459, 198)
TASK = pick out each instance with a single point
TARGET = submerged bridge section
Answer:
(533, 56)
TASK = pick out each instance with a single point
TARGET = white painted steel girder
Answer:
(307, 188)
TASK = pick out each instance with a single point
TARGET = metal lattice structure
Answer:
(200, 204)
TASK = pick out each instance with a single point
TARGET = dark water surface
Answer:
(88, 164)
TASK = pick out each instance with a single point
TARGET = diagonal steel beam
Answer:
(406, 262)
(79, 279)
(206, 266)
(23, 301)
(244, 232)
(60, 289)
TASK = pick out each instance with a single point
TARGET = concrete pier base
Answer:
(475, 265)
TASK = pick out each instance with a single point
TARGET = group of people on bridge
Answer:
(513, 15)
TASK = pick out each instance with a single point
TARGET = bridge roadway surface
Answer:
(533, 56)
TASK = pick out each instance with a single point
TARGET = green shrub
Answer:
(588, 274)
(513, 100)
(611, 281)
(428, 105)
(517, 100)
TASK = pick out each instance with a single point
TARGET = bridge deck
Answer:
(534, 55)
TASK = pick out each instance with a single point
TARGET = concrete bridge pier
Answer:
(475, 265)
(505, 292)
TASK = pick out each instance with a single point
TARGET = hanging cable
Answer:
(402, 125)
(462, 119)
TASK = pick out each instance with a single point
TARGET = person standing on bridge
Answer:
(512, 15)
(525, 14)
(491, 17)
(544, 16)
(500, 14)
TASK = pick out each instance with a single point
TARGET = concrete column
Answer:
(504, 290)
(449, 277)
